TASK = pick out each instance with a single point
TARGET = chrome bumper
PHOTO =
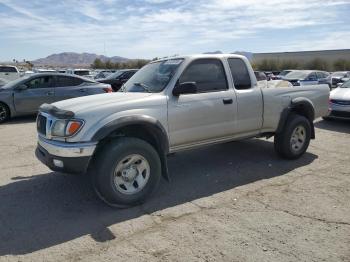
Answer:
(62, 149)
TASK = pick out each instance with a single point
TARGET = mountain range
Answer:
(86, 59)
(75, 59)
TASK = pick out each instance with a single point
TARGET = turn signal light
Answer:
(73, 127)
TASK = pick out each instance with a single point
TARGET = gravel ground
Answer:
(230, 202)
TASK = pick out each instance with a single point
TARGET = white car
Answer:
(9, 73)
(80, 72)
(339, 102)
(3, 82)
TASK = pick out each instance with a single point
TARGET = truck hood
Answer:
(86, 103)
(340, 94)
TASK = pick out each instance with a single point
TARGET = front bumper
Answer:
(65, 157)
(340, 111)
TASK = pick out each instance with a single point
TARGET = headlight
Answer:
(66, 128)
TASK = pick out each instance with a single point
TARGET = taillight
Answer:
(108, 89)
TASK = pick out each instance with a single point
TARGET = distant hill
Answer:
(213, 53)
(75, 59)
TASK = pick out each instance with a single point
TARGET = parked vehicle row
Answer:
(25, 95)
(306, 77)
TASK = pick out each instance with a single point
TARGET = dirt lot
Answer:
(231, 202)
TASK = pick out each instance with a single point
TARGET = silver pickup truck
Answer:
(123, 139)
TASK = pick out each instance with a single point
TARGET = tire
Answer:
(4, 113)
(294, 140)
(126, 172)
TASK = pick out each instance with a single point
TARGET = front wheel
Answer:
(4, 113)
(126, 172)
(294, 140)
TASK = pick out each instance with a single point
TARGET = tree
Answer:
(289, 64)
(341, 65)
(98, 64)
(109, 64)
(318, 64)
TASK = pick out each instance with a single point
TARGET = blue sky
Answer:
(154, 28)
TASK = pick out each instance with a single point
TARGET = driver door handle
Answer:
(227, 101)
(50, 93)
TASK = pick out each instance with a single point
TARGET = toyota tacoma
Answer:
(123, 139)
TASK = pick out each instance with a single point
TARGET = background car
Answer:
(3, 82)
(270, 76)
(103, 74)
(306, 77)
(9, 73)
(338, 77)
(25, 95)
(80, 72)
(283, 73)
(117, 79)
(339, 102)
(44, 70)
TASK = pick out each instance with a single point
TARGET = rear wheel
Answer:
(4, 113)
(126, 172)
(294, 140)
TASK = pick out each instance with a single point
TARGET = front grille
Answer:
(340, 114)
(336, 81)
(340, 102)
(41, 124)
(295, 83)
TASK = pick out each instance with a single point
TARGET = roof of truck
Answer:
(201, 56)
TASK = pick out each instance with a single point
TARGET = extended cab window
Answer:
(40, 82)
(63, 81)
(208, 74)
(240, 73)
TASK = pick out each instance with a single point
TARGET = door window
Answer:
(240, 73)
(40, 82)
(65, 81)
(312, 77)
(208, 74)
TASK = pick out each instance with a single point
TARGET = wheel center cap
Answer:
(129, 173)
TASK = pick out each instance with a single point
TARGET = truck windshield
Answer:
(153, 77)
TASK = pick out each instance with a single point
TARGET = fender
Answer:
(157, 129)
(302, 106)
(307, 106)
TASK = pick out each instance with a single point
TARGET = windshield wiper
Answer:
(143, 86)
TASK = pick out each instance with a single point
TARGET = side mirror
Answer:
(21, 87)
(185, 88)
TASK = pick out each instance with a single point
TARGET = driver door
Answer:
(208, 114)
(39, 90)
